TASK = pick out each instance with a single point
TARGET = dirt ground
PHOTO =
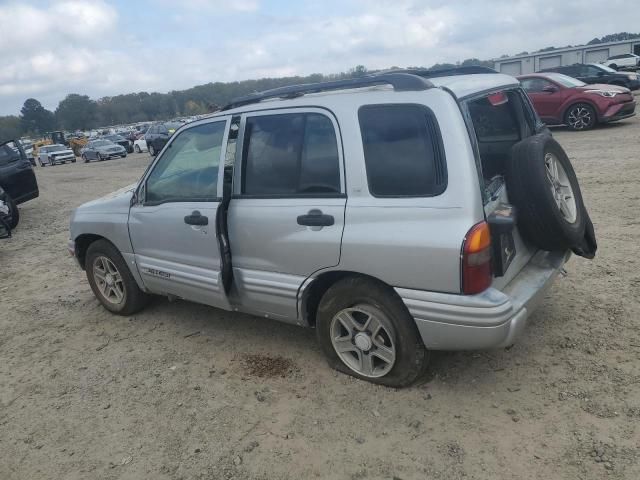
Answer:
(183, 391)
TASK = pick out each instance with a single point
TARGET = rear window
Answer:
(403, 151)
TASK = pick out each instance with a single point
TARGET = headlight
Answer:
(604, 93)
(632, 76)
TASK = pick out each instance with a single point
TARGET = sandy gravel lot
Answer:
(171, 393)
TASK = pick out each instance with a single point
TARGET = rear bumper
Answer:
(491, 319)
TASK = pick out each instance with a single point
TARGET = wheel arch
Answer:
(82, 244)
(312, 291)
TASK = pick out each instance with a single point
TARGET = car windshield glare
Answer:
(565, 80)
(606, 69)
(102, 143)
(56, 148)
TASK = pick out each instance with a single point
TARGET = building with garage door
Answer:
(522, 64)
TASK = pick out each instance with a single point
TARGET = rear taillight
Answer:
(476, 259)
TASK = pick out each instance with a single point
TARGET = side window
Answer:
(591, 71)
(7, 154)
(403, 150)
(188, 169)
(162, 130)
(290, 154)
(534, 85)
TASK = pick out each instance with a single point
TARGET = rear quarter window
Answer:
(403, 150)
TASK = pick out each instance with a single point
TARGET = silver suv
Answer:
(396, 213)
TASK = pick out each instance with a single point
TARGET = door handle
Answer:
(196, 219)
(315, 218)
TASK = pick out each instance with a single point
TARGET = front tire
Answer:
(14, 213)
(111, 281)
(152, 150)
(100, 159)
(84, 158)
(136, 148)
(580, 116)
(365, 330)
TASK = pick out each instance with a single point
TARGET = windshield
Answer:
(606, 69)
(102, 143)
(55, 148)
(115, 138)
(565, 80)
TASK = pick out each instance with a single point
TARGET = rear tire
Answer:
(84, 158)
(580, 116)
(136, 148)
(100, 159)
(111, 280)
(370, 325)
(152, 150)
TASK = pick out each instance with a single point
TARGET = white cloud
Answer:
(92, 47)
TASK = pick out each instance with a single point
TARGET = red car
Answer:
(563, 100)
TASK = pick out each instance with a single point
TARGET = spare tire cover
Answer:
(544, 188)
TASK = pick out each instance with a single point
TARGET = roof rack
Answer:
(446, 72)
(400, 81)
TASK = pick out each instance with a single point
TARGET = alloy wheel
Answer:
(580, 117)
(561, 188)
(108, 280)
(364, 339)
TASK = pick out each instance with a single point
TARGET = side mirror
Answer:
(550, 89)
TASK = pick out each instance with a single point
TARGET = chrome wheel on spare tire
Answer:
(581, 117)
(561, 188)
(363, 338)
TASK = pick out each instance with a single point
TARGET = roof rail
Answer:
(400, 81)
(446, 72)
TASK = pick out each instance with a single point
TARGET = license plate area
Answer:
(501, 223)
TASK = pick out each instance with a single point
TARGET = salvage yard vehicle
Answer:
(55, 155)
(102, 150)
(159, 134)
(120, 140)
(624, 61)
(596, 73)
(396, 213)
(140, 145)
(559, 100)
(17, 179)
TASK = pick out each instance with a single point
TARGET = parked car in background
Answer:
(102, 149)
(416, 247)
(626, 61)
(17, 178)
(120, 140)
(595, 73)
(158, 135)
(140, 145)
(559, 99)
(55, 155)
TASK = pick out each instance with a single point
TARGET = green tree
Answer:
(10, 127)
(36, 118)
(77, 112)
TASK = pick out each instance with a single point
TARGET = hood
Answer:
(115, 202)
(61, 152)
(110, 148)
(604, 86)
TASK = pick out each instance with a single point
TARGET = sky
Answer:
(107, 47)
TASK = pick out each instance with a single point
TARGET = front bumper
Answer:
(491, 319)
(62, 159)
(620, 111)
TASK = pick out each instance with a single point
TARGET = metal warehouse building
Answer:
(534, 62)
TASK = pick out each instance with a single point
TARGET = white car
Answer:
(52, 154)
(140, 145)
(625, 61)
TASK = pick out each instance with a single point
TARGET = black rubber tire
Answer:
(135, 299)
(539, 218)
(73, 161)
(152, 150)
(136, 149)
(125, 155)
(100, 159)
(13, 211)
(412, 356)
(84, 158)
(592, 111)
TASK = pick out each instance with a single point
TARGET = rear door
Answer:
(172, 225)
(546, 96)
(16, 175)
(286, 215)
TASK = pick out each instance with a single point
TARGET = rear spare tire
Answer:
(544, 188)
